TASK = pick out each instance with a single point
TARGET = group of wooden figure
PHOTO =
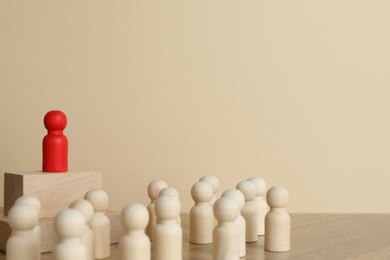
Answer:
(239, 216)
(83, 229)
(242, 215)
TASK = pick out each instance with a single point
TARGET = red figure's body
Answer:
(55, 143)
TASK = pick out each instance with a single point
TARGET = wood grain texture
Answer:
(313, 236)
(55, 191)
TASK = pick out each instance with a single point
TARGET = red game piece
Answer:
(55, 143)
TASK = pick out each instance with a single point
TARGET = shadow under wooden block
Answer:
(55, 191)
(49, 238)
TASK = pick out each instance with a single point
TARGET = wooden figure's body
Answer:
(23, 243)
(262, 208)
(135, 244)
(201, 224)
(225, 247)
(88, 238)
(154, 189)
(35, 203)
(100, 223)
(226, 233)
(249, 211)
(277, 221)
(241, 225)
(167, 235)
(100, 226)
(167, 241)
(201, 214)
(55, 143)
(21, 246)
(152, 220)
(239, 198)
(69, 225)
(70, 249)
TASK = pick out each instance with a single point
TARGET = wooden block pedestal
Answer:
(55, 191)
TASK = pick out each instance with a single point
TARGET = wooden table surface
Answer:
(313, 236)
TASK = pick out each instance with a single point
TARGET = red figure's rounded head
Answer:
(55, 120)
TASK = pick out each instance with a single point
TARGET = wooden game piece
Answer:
(201, 214)
(239, 198)
(213, 180)
(54, 191)
(167, 235)
(135, 244)
(277, 221)
(261, 205)
(249, 211)
(100, 223)
(85, 207)
(170, 191)
(55, 143)
(69, 225)
(226, 234)
(154, 189)
(23, 243)
(34, 202)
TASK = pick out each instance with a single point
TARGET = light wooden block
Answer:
(49, 238)
(55, 191)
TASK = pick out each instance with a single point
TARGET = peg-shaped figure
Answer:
(170, 191)
(239, 198)
(262, 208)
(100, 223)
(201, 214)
(69, 225)
(167, 235)
(85, 207)
(23, 243)
(249, 211)
(277, 221)
(35, 203)
(135, 244)
(55, 143)
(154, 189)
(226, 234)
(213, 180)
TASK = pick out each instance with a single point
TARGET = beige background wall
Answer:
(294, 91)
